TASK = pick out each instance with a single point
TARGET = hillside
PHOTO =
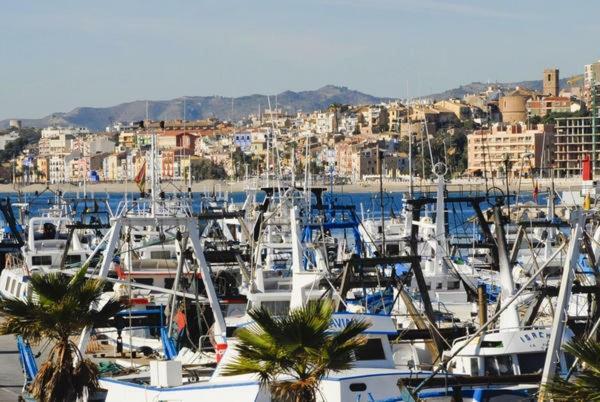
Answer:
(476, 87)
(198, 107)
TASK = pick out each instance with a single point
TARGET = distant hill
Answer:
(199, 107)
(476, 87)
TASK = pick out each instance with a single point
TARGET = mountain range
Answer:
(226, 108)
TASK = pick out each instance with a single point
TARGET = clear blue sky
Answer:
(59, 54)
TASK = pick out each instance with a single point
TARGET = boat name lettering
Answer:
(340, 322)
(533, 335)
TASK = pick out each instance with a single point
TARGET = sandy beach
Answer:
(460, 185)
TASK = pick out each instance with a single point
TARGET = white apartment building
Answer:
(98, 145)
(591, 75)
(56, 169)
(55, 131)
(347, 124)
(6, 138)
(74, 168)
(60, 144)
(326, 123)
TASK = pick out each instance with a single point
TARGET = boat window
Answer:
(491, 344)
(145, 281)
(428, 285)
(358, 387)
(18, 290)
(160, 255)
(12, 287)
(498, 365)
(41, 260)
(72, 259)
(7, 284)
(392, 249)
(474, 366)
(372, 350)
(531, 363)
(439, 285)
(453, 285)
(48, 231)
(169, 283)
(276, 307)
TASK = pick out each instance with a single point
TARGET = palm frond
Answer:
(79, 277)
(353, 329)
(22, 317)
(241, 365)
(291, 354)
(587, 351)
(585, 386)
(100, 318)
(267, 323)
(61, 309)
(50, 288)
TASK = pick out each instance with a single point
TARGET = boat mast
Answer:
(306, 170)
(380, 160)
(410, 168)
(294, 167)
(153, 173)
(562, 304)
(441, 245)
(509, 317)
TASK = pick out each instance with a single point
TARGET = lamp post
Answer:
(380, 160)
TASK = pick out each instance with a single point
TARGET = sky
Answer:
(60, 54)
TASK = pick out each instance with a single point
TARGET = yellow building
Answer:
(127, 139)
(396, 114)
(42, 169)
(110, 167)
(459, 109)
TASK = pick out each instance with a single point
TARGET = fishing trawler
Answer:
(49, 246)
(448, 280)
(374, 374)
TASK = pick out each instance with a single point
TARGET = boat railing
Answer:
(144, 207)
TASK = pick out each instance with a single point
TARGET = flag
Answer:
(536, 191)
(140, 178)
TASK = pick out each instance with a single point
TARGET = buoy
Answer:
(587, 202)
(220, 351)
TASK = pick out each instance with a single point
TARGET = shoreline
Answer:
(460, 185)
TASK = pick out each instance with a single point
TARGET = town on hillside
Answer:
(516, 133)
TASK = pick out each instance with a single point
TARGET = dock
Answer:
(11, 377)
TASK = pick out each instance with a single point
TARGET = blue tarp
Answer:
(8, 230)
(168, 345)
(27, 360)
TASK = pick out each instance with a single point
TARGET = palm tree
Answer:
(60, 309)
(586, 386)
(291, 354)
